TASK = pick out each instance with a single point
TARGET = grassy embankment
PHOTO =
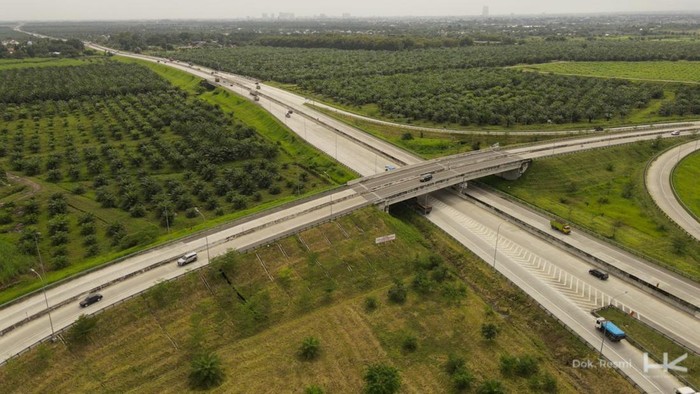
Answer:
(650, 340)
(657, 71)
(295, 151)
(603, 191)
(322, 279)
(685, 181)
(7, 64)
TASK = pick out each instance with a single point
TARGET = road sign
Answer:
(385, 238)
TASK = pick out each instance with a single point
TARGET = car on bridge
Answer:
(676, 132)
(426, 177)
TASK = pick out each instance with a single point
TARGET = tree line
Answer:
(41, 47)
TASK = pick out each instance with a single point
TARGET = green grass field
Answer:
(685, 181)
(321, 280)
(662, 71)
(603, 191)
(6, 64)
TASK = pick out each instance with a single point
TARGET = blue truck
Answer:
(609, 329)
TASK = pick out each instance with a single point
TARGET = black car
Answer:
(90, 299)
(598, 274)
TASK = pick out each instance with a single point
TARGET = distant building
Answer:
(346, 15)
(264, 16)
(286, 15)
(485, 11)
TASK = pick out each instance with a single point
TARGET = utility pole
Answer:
(495, 248)
(43, 284)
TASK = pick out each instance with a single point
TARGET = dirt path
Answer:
(32, 190)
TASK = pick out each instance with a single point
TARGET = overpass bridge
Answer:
(423, 178)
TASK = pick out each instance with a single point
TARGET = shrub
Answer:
(5, 218)
(462, 379)
(87, 229)
(79, 189)
(79, 333)
(313, 389)
(454, 363)
(491, 387)
(86, 218)
(422, 284)
(59, 238)
(310, 349)
(92, 250)
(397, 292)
(489, 331)
(54, 176)
(57, 224)
(90, 240)
(60, 262)
(191, 213)
(137, 211)
(544, 383)
(206, 371)
(371, 303)
(381, 379)
(523, 366)
(410, 343)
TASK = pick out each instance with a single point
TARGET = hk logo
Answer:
(666, 366)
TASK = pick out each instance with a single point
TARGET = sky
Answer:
(11, 10)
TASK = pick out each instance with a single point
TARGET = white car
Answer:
(677, 132)
(187, 258)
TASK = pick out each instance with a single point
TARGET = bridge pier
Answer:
(516, 173)
(461, 187)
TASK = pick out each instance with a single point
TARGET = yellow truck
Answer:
(560, 226)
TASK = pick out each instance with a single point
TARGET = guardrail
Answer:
(59, 332)
(643, 348)
(250, 247)
(559, 321)
(632, 279)
(673, 186)
(591, 233)
(187, 238)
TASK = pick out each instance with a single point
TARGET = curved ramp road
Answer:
(658, 180)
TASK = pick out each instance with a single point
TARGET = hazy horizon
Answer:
(77, 10)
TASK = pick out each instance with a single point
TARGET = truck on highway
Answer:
(609, 329)
(423, 208)
(560, 226)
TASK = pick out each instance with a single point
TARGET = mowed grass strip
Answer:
(663, 71)
(146, 344)
(685, 181)
(603, 191)
(7, 64)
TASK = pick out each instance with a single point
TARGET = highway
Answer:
(475, 227)
(658, 182)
